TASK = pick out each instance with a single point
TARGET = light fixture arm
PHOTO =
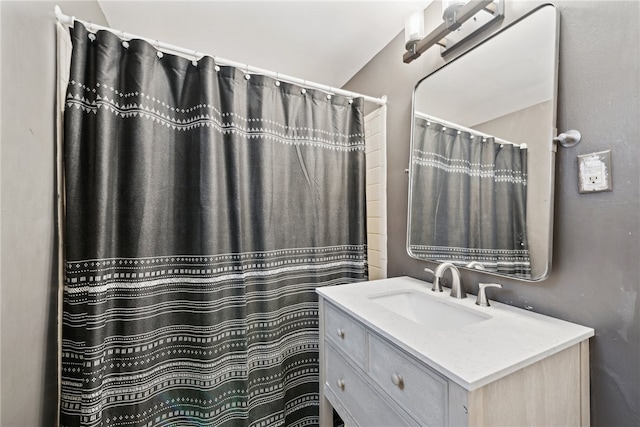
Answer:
(436, 36)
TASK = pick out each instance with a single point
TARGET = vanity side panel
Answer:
(547, 393)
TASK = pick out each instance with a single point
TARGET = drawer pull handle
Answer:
(340, 384)
(341, 333)
(398, 381)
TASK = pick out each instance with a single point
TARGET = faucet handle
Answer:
(482, 300)
(436, 281)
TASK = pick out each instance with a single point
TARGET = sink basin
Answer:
(428, 311)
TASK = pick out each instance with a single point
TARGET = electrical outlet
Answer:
(595, 172)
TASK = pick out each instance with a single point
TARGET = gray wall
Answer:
(28, 297)
(596, 266)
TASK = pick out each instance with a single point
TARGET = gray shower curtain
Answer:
(468, 199)
(202, 211)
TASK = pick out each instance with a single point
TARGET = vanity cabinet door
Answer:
(365, 407)
(414, 387)
(346, 334)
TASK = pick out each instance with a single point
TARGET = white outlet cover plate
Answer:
(594, 172)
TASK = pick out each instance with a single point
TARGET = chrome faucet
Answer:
(457, 291)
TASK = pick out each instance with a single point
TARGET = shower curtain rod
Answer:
(471, 131)
(193, 54)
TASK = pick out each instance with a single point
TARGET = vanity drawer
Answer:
(346, 334)
(417, 389)
(366, 408)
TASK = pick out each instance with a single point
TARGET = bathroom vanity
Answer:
(393, 353)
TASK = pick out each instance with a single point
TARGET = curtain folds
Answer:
(203, 209)
(468, 200)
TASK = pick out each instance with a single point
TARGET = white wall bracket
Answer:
(568, 139)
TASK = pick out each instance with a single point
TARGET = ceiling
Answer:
(321, 41)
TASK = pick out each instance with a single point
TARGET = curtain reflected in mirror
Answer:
(474, 188)
(477, 196)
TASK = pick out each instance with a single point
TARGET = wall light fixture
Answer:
(480, 14)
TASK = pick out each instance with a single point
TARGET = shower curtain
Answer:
(203, 208)
(468, 199)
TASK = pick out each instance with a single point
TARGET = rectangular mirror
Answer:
(482, 153)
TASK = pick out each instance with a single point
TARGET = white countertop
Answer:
(473, 355)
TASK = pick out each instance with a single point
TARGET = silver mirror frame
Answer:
(548, 187)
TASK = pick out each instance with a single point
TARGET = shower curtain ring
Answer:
(159, 53)
(331, 92)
